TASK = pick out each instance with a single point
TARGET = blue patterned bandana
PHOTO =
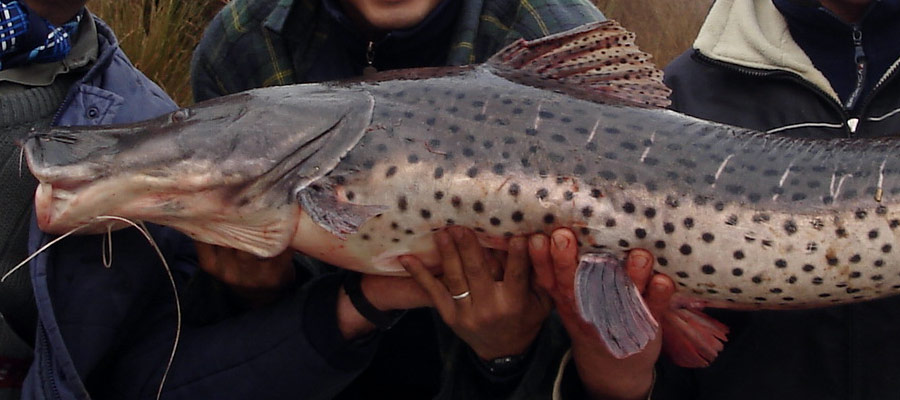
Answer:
(26, 38)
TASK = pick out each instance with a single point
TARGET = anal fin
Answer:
(609, 300)
(691, 338)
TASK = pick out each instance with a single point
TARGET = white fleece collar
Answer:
(753, 33)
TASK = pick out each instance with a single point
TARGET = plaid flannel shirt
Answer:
(258, 43)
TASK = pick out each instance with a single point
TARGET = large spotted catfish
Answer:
(566, 131)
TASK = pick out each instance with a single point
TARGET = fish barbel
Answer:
(566, 131)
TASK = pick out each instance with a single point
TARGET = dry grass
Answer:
(159, 36)
(664, 28)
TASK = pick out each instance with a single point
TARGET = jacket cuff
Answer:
(321, 327)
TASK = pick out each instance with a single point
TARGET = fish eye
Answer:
(180, 115)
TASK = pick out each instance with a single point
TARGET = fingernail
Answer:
(640, 260)
(561, 241)
(537, 241)
(517, 243)
(457, 233)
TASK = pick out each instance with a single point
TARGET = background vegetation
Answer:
(160, 35)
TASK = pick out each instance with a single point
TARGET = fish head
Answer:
(213, 171)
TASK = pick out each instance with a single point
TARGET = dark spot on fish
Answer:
(456, 201)
(408, 232)
(487, 144)
(395, 240)
(650, 212)
(390, 171)
(585, 231)
(660, 244)
(732, 220)
(708, 269)
(628, 146)
(517, 110)
(708, 237)
(498, 169)
(611, 130)
(549, 218)
(688, 222)
(808, 268)
(453, 128)
(756, 279)
(478, 207)
(595, 193)
(425, 214)
(438, 173)
(350, 195)
(495, 221)
(628, 207)
(855, 274)
(394, 225)
(781, 263)
(895, 223)
(873, 234)
(542, 193)
(608, 175)
(685, 249)
(855, 258)
(438, 195)
(558, 138)
(610, 222)
(531, 132)
(662, 261)
(412, 159)
(610, 155)
(735, 290)
(861, 214)
(681, 274)
(402, 203)
(737, 272)
(640, 233)
(886, 248)
(568, 195)
(878, 263)
(798, 197)
(472, 172)
(623, 243)
(790, 227)
(587, 211)
(381, 147)
(825, 295)
(468, 152)
(831, 260)
(738, 255)
(841, 232)
(579, 169)
(669, 227)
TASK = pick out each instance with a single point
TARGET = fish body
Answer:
(358, 173)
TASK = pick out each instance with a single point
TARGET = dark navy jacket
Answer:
(847, 352)
(107, 333)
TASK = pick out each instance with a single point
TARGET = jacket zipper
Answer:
(370, 69)
(48, 365)
(861, 68)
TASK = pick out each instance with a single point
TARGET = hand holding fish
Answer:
(258, 281)
(603, 375)
(501, 315)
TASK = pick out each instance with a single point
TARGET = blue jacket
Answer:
(108, 332)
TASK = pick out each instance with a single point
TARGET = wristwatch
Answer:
(383, 320)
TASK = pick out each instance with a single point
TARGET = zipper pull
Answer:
(861, 63)
(852, 123)
(370, 59)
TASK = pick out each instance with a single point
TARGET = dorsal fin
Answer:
(597, 61)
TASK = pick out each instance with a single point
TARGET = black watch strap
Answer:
(383, 320)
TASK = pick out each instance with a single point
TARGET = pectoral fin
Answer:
(319, 200)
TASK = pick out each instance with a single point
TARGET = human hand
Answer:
(258, 281)
(603, 375)
(502, 315)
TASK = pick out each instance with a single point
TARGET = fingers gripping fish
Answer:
(565, 131)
